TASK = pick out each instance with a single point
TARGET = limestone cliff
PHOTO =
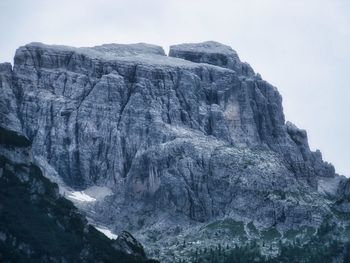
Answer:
(181, 140)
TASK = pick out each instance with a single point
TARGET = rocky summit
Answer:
(188, 152)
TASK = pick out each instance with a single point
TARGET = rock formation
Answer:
(181, 140)
(39, 225)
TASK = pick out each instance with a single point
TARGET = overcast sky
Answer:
(300, 46)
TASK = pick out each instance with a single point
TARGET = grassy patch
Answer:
(281, 194)
(291, 234)
(305, 232)
(229, 225)
(252, 229)
(270, 234)
(308, 231)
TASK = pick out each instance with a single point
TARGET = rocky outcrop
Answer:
(126, 242)
(213, 53)
(182, 140)
(8, 101)
(38, 225)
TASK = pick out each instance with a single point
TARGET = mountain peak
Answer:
(190, 139)
(213, 53)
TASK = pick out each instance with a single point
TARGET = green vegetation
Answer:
(36, 225)
(230, 226)
(322, 246)
(281, 194)
(291, 234)
(270, 234)
(249, 253)
(308, 231)
(252, 229)
(12, 138)
(304, 232)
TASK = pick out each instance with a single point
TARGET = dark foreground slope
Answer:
(36, 223)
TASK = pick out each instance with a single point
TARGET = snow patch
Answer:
(88, 195)
(81, 196)
(98, 192)
(108, 233)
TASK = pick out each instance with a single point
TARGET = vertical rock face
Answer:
(190, 137)
(8, 101)
(38, 225)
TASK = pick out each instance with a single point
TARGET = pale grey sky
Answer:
(300, 46)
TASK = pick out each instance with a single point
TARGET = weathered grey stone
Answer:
(127, 243)
(213, 53)
(182, 140)
(8, 102)
(54, 222)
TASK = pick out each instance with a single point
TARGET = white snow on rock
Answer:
(108, 233)
(81, 196)
(88, 195)
(98, 192)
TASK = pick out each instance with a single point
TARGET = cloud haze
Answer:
(302, 47)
